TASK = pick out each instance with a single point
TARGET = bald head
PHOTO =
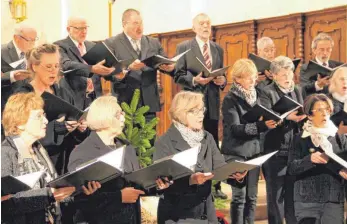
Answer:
(77, 27)
(24, 36)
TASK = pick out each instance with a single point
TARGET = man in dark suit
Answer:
(266, 49)
(322, 46)
(190, 77)
(84, 81)
(24, 39)
(132, 44)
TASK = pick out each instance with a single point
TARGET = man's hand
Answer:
(220, 80)
(201, 80)
(321, 82)
(294, 117)
(200, 178)
(167, 67)
(21, 74)
(99, 69)
(136, 65)
(130, 195)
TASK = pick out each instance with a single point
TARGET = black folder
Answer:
(257, 111)
(156, 60)
(101, 51)
(285, 104)
(313, 69)
(263, 64)
(174, 166)
(223, 172)
(12, 185)
(207, 73)
(56, 107)
(101, 169)
(338, 117)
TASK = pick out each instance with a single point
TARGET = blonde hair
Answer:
(334, 78)
(182, 103)
(243, 68)
(17, 111)
(102, 113)
(262, 42)
(34, 55)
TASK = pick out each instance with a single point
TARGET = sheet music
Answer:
(30, 179)
(177, 57)
(259, 160)
(187, 158)
(16, 63)
(114, 158)
(289, 112)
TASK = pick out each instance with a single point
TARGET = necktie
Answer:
(207, 58)
(136, 46)
(81, 49)
(23, 64)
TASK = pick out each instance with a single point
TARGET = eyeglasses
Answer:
(197, 111)
(82, 28)
(50, 67)
(328, 50)
(323, 110)
(39, 117)
(119, 114)
(29, 40)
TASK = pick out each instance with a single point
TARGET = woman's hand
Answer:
(92, 186)
(61, 193)
(6, 197)
(200, 178)
(163, 183)
(343, 173)
(271, 124)
(319, 158)
(130, 195)
(71, 125)
(294, 117)
(238, 176)
(82, 125)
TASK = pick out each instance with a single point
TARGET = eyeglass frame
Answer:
(54, 67)
(321, 110)
(80, 28)
(196, 111)
(28, 40)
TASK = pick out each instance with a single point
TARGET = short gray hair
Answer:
(21, 27)
(281, 62)
(262, 42)
(334, 78)
(319, 37)
(127, 13)
(198, 15)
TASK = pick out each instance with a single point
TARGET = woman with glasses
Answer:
(319, 186)
(279, 186)
(188, 199)
(241, 138)
(44, 63)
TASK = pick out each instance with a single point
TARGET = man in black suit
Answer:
(266, 49)
(24, 39)
(132, 44)
(322, 46)
(190, 77)
(84, 81)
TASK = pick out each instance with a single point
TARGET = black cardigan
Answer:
(240, 138)
(316, 183)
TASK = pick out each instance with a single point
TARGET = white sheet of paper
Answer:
(259, 160)
(114, 158)
(177, 57)
(336, 158)
(187, 158)
(16, 63)
(30, 179)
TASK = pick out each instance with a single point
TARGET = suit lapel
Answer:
(177, 140)
(197, 51)
(144, 47)
(74, 49)
(125, 41)
(88, 45)
(12, 52)
(214, 55)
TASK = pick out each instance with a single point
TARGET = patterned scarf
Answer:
(319, 136)
(286, 91)
(249, 95)
(193, 138)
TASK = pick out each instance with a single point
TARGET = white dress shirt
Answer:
(318, 88)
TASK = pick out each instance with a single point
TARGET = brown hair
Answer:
(311, 100)
(17, 111)
(34, 55)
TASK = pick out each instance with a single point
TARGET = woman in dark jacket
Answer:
(24, 123)
(117, 201)
(279, 187)
(188, 199)
(43, 61)
(319, 188)
(241, 138)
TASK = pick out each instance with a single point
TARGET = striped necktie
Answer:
(23, 64)
(136, 46)
(207, 58)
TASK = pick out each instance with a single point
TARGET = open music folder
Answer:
(176, 166)
(101, 169)
(156, 60)
(230, 168)
(313, 69)
(263, 64)
(207, 73)
(101, 51)
(12, 185)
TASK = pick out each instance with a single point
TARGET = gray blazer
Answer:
(185, 72)
(71, 59)
(183, 201)
(8, 55)
(144, 79)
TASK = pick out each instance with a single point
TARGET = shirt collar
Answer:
(131, 39)
(201, 43)
(338, 97)
(321, 63)
(76, 43)
(17, 49)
